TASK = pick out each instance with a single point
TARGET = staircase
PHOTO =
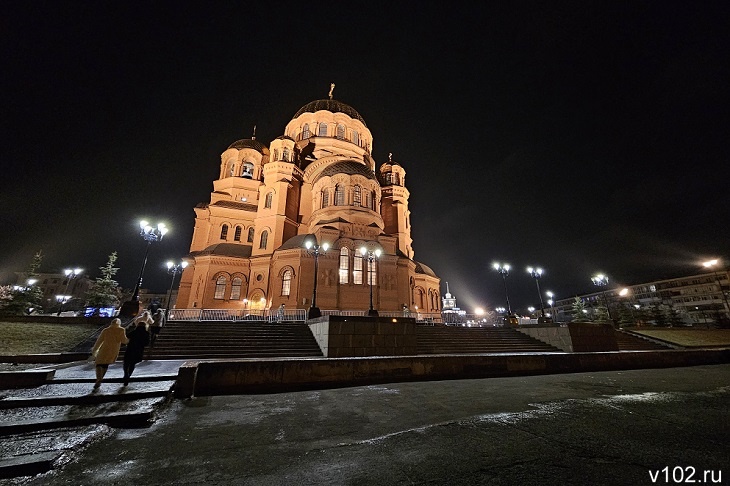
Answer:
(463, 340)
(630, 342)
(243, 339)
(41, 425)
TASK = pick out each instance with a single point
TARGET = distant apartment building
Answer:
(696, 299)
(57, 288)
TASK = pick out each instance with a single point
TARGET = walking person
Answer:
(106, 349)
(139, 337)
(158, 320)
(280, 313)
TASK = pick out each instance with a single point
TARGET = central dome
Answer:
(330, 105)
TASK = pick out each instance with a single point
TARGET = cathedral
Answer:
(317, 183)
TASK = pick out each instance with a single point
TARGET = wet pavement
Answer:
(588, 428)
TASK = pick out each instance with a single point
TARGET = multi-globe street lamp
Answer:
(601, 281)
(551, 303)
(372, 255)
(315, 249)
(150, 234)
(173, 269)
(503, 269)
(712, 264)
(70, 275)
(536, 273)
(531, 310)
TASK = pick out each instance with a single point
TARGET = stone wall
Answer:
(344, 337)
(575, 336)
(227, 377)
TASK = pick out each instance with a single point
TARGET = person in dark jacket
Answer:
(139, 337)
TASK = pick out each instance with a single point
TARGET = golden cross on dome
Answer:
(332, 88)
(254, 133)
(390, 156)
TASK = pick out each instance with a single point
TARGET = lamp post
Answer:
(531, 310)
(150, 235)
(70, 275)
(551, 303)
(712, 264)
(536, 273)
(601, 281)
(173, 269)
(315, 249)
(371, 256)
(503, 269)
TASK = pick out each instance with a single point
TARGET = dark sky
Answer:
(578, 136)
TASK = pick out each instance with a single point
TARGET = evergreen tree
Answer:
(105, 291)
(579, 311)
(601, 314)
(626, 315)
(27, 299)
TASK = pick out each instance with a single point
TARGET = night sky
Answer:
(582, 137)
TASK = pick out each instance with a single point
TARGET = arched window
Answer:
(276, 154)
(220, 288)
(250, 235)
(286, 283)
(325, 197)
(341, 131)
(322, 130)
(357, 196)
(372, 200)
(389, 178)
(224, 232)
(355, 137)
(247, 171)
(396, 179)
(344, 265)
(264, 240)
(305, 131)
(268, 200)
(236, 288)
(285, 155)
(231, 168)
(366, 199)
(339, 195)
(357, 269)
(237, 234)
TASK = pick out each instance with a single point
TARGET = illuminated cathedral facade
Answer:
(316, 182)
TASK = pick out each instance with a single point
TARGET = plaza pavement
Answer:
(586, 428)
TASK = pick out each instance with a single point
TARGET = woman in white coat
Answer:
(106, 348)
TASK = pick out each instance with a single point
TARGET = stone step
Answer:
(138, 413)
(78, 393)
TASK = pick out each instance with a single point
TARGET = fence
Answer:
(289, 315)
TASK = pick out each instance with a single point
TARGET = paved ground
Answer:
(591, 428)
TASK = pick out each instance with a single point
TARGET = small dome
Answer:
(330, 105)
(350, 167)
(249, 143)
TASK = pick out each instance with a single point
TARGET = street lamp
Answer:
(601, 281)
(315, 249)
(712, 264)
(503, 269)
(551, 303)
(150, 235)
(70, 275)
(173, 269)
(530, 310)
(536, 273)
(371, 256)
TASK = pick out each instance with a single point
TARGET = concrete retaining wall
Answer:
(575, 336)
(342, 337)
(207, 378)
